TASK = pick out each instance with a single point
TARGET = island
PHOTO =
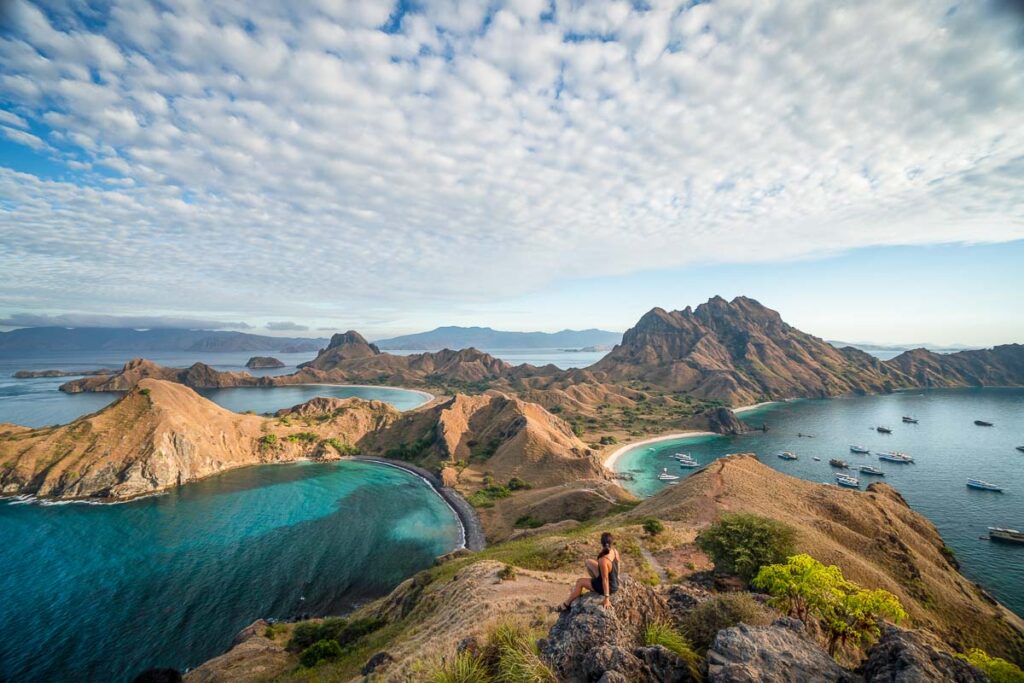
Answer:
(263, 363)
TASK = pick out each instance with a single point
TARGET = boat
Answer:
(689, 464)
(909, 420)
(895, 456)
(997, 533)
(982, 423)
(848, 481)
(983, 485)
(883, 430)
(1020, 448)
(836, 462)
(682, 456)
(871, 469)
(816, 459)
(788, 455)
(665, 476)
(859, 449)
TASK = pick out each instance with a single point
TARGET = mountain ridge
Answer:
(93, 339)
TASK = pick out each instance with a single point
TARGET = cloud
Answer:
(286, 326)
(133, 321)
(279, 159)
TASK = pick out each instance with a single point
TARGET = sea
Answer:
(946, 445)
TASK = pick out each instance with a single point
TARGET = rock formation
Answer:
(779, 653)
(908, 657)
(197, 376)
(342, 347)
(263, 362)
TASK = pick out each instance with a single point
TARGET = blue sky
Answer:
(524, 164)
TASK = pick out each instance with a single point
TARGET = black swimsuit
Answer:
(597, 585)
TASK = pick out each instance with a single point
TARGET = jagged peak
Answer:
(350, 338)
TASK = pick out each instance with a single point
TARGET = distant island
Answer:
(453, 337)
(263, 362)
(28, 340)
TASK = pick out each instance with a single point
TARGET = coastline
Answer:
(609, 462)
(755, 406)
(428, 397)
(472, 530)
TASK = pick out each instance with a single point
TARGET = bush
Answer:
(653, 526)
(274, 630)
(507, 573)
(998, 670)
(517, 484)
(342, 631)
(484, 498)
(268, 441)
(465, 667)
(703, 622)
(320, 651)
(608, 440)
(342, 447)
(662, 633)
(304, 437)
(741, 543)
(847, 612)
(528, 522)
(144, 392)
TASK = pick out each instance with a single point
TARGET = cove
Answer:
(101, 592)
(946, 445)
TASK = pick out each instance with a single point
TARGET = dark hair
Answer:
(606, 544)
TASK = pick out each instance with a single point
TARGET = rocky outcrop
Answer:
(197, 376)
(590, 643)
(724, 421)
(873, 536)
(342, 347)
(998, 366)
(33, 374)
(771, 654)
(908, 657)
(253, 656)
(263, 362)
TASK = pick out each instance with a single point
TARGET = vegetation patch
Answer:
(741, 543)
(485, 497)
(320, 651)
(528, 522)
(703, 622)
(342, 447)
(652, 526)
(998, 670)
(664, 634)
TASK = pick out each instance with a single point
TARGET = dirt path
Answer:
(655, 565)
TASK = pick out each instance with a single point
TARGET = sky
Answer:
(299, 168)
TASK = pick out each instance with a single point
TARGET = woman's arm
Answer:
(606, 565)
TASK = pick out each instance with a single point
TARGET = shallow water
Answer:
(947, 446)
(101, 592)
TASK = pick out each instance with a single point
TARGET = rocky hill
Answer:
(197, 376)
(262, 362)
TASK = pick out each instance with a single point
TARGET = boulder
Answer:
(724, 421)
(376, 663)
(779, 653)
(908, 657)
(590, 643)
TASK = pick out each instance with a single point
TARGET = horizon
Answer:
(526, 166)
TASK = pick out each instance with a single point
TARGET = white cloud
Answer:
(298, 162)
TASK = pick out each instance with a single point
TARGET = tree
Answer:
(849, 614)
(741, 543)
(653, 526)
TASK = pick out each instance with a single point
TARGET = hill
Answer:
(29, 340)
(453, 337)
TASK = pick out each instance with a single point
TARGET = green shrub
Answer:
(528, 522)
(342, 631)
(512, 650)
(608, 440)
(411, 451)
(741, 543)
(517, 484)
(484, 498)
(274, 630)
(144, 392)
(653, 526)
(304, 437)
(342, 447)
(507, 573)
(998, 670)
(320, 651)
(703, 622)
(465, 667)
(268, 441)
(662, 633)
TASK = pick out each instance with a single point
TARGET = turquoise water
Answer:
(947, 446)
(37, 402)
(101, 592)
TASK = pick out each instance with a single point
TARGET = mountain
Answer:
(28, 340)
(486, 338)
(742, 352)
(196, 376)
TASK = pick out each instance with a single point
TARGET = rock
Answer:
(376, 662)
(724, 421)
(589, 641)
(252, 656)
(770, 654)
(682, 598)
(661, 664)
(907, 657)
(262, 362)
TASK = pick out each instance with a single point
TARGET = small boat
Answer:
(816, 458)
(895, 456)
(848, 481)
(982, 423)
(804, 436)
(665, 476)
(909, 420)
(788, 455)
(859, 449)
(1020, 448)
(871, 469)
(836, 462)
(997, 533)
(983, 485)
(689, 464)
(683, 456)
(883, 430)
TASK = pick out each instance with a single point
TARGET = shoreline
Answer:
(755, 406)
(472, 530)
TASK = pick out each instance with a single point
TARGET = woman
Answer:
(604, 574)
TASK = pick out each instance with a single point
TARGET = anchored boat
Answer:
(871, 469)
(859, 449)
(909, 420)
(997, 533)
(788, 455)
(665, 476)
(1020, 448)
(836, 462)
(883, 430)
(983, 485)
(982, 423)
(848, 481)
(895, 456)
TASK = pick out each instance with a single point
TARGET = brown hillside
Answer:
(874, 536)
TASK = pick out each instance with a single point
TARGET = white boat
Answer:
(895, 456)
(683, 456)
(665, 476)
(689, 464)
(848, 481)
(788, 455)
(997, 533)
(859, 449)
(870, 469)
(983, 485)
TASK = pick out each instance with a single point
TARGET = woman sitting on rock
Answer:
(604, 574)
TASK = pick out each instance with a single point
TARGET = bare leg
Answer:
(577, 591)
(593, 569)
